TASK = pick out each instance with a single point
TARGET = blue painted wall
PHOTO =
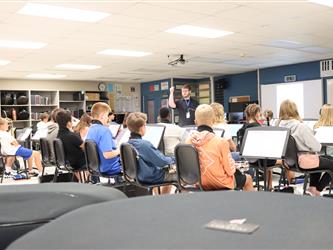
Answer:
(303, 72)
(240, 84)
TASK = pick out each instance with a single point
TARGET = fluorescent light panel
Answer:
(190, 30)
(4, 62)
(58, 12)
(78, 66)
(45, 76)
(21, 44)
(328, 3)
(117, 52)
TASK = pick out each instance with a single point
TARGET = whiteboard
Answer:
(308, 95)
(264, 144)
(330, 91)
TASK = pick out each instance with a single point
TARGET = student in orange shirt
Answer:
(218, 170)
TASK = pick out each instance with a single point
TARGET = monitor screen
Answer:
(234, 129)
(265, 143)
(114, 128)
(325, 135)
(310, 123)
(189, 131)
(236, 117)
(154, 134)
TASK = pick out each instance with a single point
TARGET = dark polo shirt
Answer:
(183, 107)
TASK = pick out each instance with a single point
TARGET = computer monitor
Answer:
(325, 135)
(265, 143)
(188, 131)
(154, 134)
(123, 136)
(234, 129)
(310, 123)
(236, 117)
(114, 128)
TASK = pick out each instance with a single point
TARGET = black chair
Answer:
(129, 159)
(93, 161)
(188, 167)
(291, 160)
(62, 164)
(45, 154)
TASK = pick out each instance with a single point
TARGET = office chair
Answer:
(188, 167)
(62, 163)
(129, 159)
(93, 161)
(291, 159)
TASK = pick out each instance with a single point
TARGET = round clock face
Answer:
(102, 86)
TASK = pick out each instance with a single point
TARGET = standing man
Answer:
(186, 106)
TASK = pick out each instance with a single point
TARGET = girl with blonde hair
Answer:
(82, 127)
(325, 124)
(219, 122)
(307, 145)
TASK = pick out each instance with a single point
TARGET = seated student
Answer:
(83, 125)
(218, 170)
(111, 118)
(153, 165)
(52, 132)
(9, 146)
(325, 120)
(172, 134)
(102, 136)
(219, 122)
(307, 146)
(44, 119)
(73, 144)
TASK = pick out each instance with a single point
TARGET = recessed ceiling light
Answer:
(4, 62)
(21, 44)
(45, 76)
(328, 3)
(117, 52)
(190, 30)
(78, 66)
(287, 44)
(58, 12)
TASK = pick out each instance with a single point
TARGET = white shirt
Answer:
(226, 128)
(172, 136)
(6, 147)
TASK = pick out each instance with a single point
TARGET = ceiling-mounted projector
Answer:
(178, 61)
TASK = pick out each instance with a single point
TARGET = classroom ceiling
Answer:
(266, 33)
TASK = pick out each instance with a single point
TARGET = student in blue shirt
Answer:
(153, 165)
(102, 136)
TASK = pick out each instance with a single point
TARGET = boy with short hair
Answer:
(102, 136)
(218, 170)
(153, 165)
(9, 146)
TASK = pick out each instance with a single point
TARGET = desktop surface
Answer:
(285, 221)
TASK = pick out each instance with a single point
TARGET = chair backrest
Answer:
(188, 165)
(129, 161)
(59, 153)
(291, 157)
(45, 150)
(92, 157)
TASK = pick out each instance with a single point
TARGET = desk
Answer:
(176, 222)
(26, 207)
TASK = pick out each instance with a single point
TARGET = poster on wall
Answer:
(164, 85)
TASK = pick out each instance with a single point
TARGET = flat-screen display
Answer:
(265, 143)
